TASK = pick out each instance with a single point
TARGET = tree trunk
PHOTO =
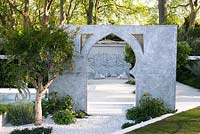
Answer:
(26, 15)
(162, 6)
(46, 13)
(47, 6)
(38, 107)
(192, 20)
(62, 13)
(90, 12)
(96, 12)
(3, 20)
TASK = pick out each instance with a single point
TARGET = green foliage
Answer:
(184, 66)
(192, 80)
(193, 39)
(183, 51)
(80, 114)
(132, 82)
(54, 103)
(149, 108)
(45, 107)
(153, 107)
(112, 37)
(66, 103)
(61, 108)
(63, 117)
(137, 114)
(128, 124)
(129, 55)
(191, 36)
(4, 108)
(186, 76)
(34, 54)
(51, 104)
(21, 113)
(38, 130)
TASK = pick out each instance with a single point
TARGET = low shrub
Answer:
(4, 108)
(39, 130)
(64, 117)
(128, 124)
(66, 103)
(149, 108)
(137, 114)
(21, 113)
(80, 114)
(54, 104)
(153, 107)
(131, 82)
(183, 51)
(45, 105)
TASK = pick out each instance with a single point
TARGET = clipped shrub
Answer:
(149, 108)
(64, 117)
(39, 130)
(80, 114)
(127, 124)
(21, 113)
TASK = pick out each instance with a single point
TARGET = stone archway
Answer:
(155, 67)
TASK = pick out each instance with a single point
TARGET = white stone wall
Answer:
(107, 58)
(154, 70)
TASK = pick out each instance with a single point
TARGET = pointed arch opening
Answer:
(111, 88)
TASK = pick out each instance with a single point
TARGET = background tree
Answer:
(162, 6)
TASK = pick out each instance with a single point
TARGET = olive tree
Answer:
(35, 54)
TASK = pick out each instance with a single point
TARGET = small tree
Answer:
(129, 56)
(183, 51)
(35, 54)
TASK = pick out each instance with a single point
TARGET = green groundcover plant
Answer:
(149, 108)
(39, 130)
(21, 113)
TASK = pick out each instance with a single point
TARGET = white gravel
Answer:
(104, 98)
(107, 102)
(92, 124)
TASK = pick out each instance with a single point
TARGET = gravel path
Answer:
(107, 103)
(90, 125)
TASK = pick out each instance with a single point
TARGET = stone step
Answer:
(108, 106)
(106, 111)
